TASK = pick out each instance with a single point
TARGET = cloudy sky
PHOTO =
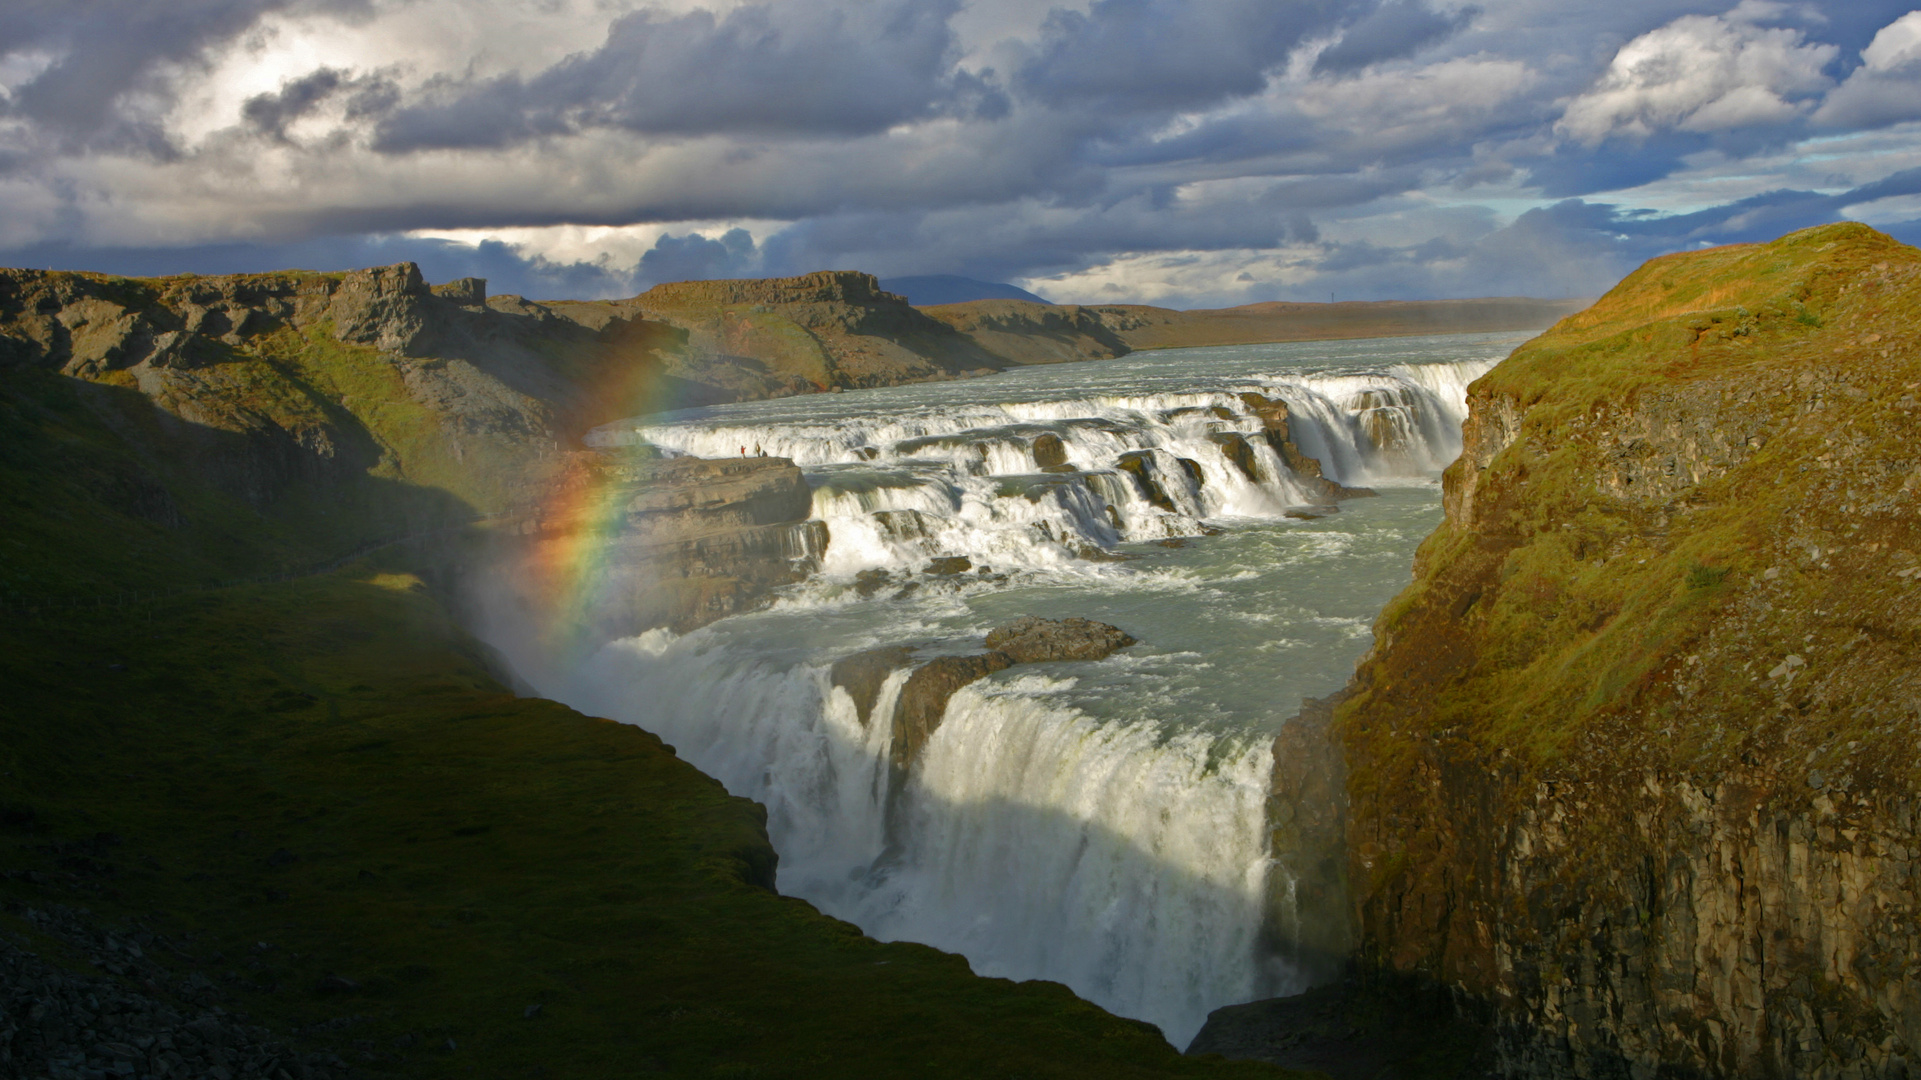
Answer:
(1181, 152)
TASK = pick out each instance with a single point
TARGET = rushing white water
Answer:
(1101, 824)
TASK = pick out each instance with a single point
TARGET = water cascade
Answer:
(1097, 823)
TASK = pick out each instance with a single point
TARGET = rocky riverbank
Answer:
(1631, 762)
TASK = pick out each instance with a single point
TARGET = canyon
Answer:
(1624, 782)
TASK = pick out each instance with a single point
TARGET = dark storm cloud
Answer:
(806, 69)
(697, 258)
(1570, 170)
(365, 95)
(1144, 135)
(1143, 55)
(103, 49)
(998, 242)
(1397, 29)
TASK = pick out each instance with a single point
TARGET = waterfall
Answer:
(1041, 483)
(1101, 824)
(1126, 860)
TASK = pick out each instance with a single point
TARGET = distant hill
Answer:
(1023, 332)
(1144, 327)
(929, 289)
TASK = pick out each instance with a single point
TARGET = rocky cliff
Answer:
(1025, 332)
(1632, 761)
(623, 544)
(345, 409)
(821, 331)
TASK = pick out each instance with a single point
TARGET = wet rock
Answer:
(1032, 640)
(1310, 513)
(862, 674)
(1141, 466)
(1193, 470)
(901, 524)
(953, 564)
(1235, 448)
(1275, 427)
(869, 582)
(924, 697)
(1049, 451)
(1172, 542)
(923, 700)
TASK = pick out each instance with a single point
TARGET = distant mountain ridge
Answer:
(1028, 333)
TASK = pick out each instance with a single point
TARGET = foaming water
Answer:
(1101, 824)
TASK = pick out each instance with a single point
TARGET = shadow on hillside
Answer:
(115, 491)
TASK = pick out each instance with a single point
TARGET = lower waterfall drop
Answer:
(1098, 823)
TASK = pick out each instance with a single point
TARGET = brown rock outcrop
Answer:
(695, 540)
(1141, 465)
(924, 697)
(1275, 428)
(828, 329)
(1032, 640)
(923, 700)
(863, 673)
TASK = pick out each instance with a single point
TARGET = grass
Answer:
(1583, 591)
(463, 854)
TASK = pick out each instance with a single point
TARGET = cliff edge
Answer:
(1632, 761)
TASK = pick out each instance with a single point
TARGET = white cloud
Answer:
(605, 245)
(1702, 73)
(1896, 45)
(1886, 88)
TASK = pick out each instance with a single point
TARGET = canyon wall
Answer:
(1633, 760)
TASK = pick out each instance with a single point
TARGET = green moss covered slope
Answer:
(1634, 756)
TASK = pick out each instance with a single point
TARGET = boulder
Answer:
(1032, 640)
(924, 697)
(862, 674)
(1049, 451)
(1273, 416)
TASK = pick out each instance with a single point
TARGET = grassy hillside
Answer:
(1633, 757)
(1716, 415)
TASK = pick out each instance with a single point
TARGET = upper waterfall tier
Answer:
(1061, 466)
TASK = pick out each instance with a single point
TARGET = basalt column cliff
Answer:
(1634, 760)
